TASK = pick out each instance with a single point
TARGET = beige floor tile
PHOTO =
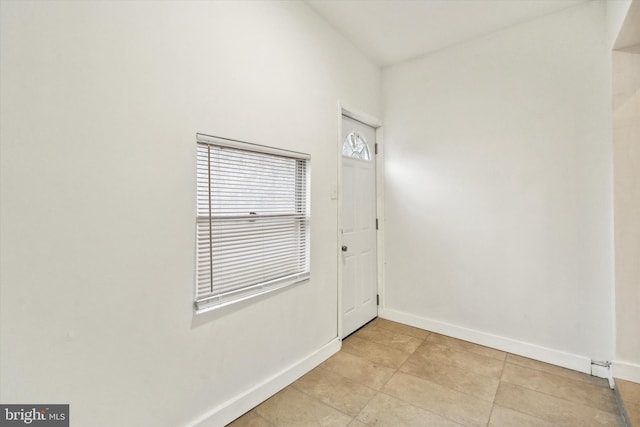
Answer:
(470, 362)
(553, 369)
(376, 333)
(587, 394)
(292, 408)
(375, 352)
(387, 411)
(629, 391)
(467, 346)
(250, 419)
(552, 409)
(399, 328)
(633, 412)
(454, 377)
(389, 374)
(459, 407)
(335, 390)
(505, 417)
(359, 369)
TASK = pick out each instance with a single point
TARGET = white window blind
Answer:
(252, 220)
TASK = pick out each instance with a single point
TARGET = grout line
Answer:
(493, 403)
(472, 345)
(381, 323)
(321, 402)
(504, 365)
(462, 351)
(523, 413)
(575, 382)
(263, 418)
(537, 391)
(392, 347)
(622, 409)
(447, 387)
(377, 392)
(386, 330)
(401, 365)
(588, 380)
(584, 405)
(424, 341)
(329, 404)
(421, 408)
(500, 380)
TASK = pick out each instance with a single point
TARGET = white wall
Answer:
(626, 142)
(498, 189)
(100, 103)
(626, 133)
(616, 11)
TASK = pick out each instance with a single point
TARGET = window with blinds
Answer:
(252, 220)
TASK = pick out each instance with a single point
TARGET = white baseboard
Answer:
(521, 348)
(230, 410)
(626, 371)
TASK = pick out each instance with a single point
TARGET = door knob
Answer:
(344, 248)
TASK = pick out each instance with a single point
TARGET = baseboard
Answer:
(230, 410)
(626, 371)
(521, 348)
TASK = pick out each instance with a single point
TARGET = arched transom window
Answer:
(356, 146)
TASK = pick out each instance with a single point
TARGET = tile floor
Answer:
(630, 395)
(389, 374)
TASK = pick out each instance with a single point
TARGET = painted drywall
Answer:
(626, 142)
(629, 36)
(498, 184)
(101, 103)
(616, 11)
(623, 18)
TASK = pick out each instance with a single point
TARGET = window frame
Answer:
(212, 301)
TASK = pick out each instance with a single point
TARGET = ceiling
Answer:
(392, 31)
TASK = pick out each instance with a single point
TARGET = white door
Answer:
(358, 246)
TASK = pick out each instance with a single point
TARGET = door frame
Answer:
(367, 119)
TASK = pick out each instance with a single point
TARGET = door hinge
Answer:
(375, 148)
(376, 223)
(378, 299)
